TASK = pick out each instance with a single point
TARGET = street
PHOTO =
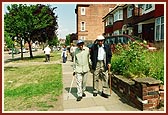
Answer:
(9, 56)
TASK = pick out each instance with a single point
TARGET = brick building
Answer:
(143, 20)
(89, 20)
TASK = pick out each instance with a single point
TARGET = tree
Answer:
(8, 40)
(54, 41)
(67, 41)
(24, 21)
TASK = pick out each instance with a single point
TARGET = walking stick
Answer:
(109, 73)
(70, 86)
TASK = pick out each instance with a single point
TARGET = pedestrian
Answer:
(101, 59)
(81, 68)
(72, 50)
(64, 54)
(47, 51)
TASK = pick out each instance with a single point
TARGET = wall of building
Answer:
(93, 19)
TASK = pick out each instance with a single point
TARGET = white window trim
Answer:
(83, 26)
(160, 29)
(139, 28)
(83, 10)
(129, 11)
(144, 11)
(118, 15)
(110, 20)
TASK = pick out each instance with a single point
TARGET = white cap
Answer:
(80, 41)
(100, 37)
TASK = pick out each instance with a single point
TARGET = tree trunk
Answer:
(21, 48)
(31, 54)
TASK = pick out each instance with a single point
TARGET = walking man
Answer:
(47, 51)
(101, 59)
(81, 68)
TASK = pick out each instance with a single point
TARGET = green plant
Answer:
(135, 61)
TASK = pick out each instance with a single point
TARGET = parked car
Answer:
(124, 39)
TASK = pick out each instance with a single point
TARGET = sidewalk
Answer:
(89, 103)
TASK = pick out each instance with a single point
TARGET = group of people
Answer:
(97, 60)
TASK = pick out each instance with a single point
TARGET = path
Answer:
(89, 103)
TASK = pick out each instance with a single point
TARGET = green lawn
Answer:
(32, 87)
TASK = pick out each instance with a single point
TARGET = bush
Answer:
(134, 60)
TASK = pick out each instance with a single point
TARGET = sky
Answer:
(66, 17)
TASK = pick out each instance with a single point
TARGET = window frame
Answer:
(83, 26)
(83, 10)
(118, 15)
(159, 28)
(129, 11)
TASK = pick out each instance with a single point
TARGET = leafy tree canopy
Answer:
(30, 21)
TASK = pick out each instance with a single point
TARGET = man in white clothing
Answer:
(47, 51)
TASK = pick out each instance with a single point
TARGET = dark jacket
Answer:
(94, 55)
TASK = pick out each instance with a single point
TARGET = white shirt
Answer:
(101, 53)
(72, 49)
(47, 50)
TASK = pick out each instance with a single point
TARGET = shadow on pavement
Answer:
(74, 90)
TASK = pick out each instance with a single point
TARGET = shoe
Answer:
(83, 95)
(79, 99)
(104, 95)
(94, 94)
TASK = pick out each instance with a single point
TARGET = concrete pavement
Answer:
(89, 103)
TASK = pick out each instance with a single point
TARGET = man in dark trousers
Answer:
(101, 60)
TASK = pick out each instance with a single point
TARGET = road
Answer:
(9, 56)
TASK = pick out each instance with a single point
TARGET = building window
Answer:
(82, 37)
(82, 26)
(139, 28)
(118, 15)
(110, 18)
(129, 11)
(159, 29)
(147, 8)
(82, 10)
(109, 21)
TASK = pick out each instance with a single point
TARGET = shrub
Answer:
(134, 60)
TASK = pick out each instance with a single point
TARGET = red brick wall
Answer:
(143, 95)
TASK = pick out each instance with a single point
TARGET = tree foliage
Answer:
(31, 22)
(67, 41)
(8, 40)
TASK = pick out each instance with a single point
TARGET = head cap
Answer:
(100, 37)
(80, 41)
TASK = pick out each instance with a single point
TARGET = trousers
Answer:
(81, 79)
(100, 75)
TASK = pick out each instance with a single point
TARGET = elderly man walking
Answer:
(81, 68)
(101, 60)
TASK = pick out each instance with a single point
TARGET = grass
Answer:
(32, 87)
